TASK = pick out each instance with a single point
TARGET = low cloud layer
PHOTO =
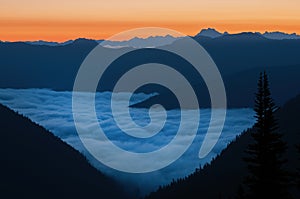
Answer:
(53, 110)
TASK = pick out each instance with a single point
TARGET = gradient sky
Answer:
(60, 20)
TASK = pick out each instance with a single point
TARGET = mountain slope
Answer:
(240, 87)
(241, 57)
(38, 66)
(36, 164)
(55, 67)
(222, 177)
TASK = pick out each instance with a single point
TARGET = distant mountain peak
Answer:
(48, 43)
(246, 36)
(210, 32)
(277, 35)
(138, 42)
(280, 35)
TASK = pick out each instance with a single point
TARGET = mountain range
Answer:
(276, 35)
(239, 58)
(154, 41)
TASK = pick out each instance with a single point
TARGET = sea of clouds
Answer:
(53, 110)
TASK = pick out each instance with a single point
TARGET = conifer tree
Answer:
(298, 170)
(267, 178)
(240, 193)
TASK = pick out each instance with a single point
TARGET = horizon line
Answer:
(129, 38)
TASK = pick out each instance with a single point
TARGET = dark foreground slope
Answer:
(223, 176)
(36, 164)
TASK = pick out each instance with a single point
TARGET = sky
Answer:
(61, 20)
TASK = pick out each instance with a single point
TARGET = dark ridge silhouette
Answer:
(224, 175)
(239, 52)
(240, 87)
(238, 58)
(212, 33)
(244, 36)
(38, 66)
(36, 164)
(243, 85)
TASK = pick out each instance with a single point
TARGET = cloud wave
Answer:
(53, 110)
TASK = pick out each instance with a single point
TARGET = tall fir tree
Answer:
(240, 193)
(267, 178)
(298, 170)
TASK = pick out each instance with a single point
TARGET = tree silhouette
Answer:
(298, 171)
(267, 178)
(240, 193)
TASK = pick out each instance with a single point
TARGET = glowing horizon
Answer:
(66, 19)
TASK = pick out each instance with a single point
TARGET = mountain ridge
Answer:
(139, 42)
(237, 58)
(37, 164)
(274, 35)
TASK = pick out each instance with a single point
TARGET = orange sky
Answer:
(60, 20)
